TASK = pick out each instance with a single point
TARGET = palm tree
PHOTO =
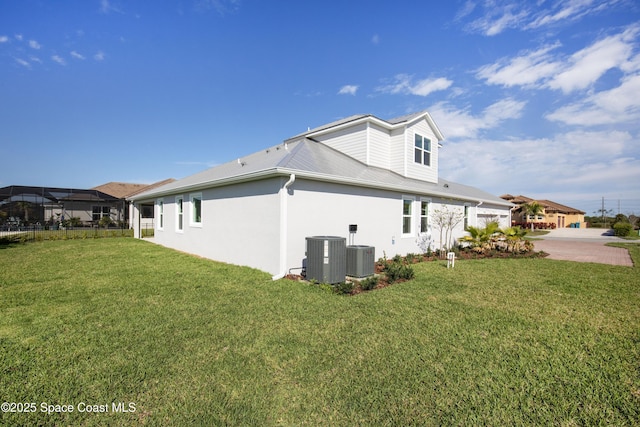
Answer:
(532, 208)
(481, 238)
(514, 237)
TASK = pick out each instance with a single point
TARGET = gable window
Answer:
(196, 209)
(424, 216)
(160, 214)
(422, 150)
(407, 215)
(179, 213)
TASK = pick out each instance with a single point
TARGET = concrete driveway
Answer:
(583, 245)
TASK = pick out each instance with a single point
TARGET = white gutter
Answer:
(284, 235)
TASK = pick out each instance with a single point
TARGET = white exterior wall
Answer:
(379, 146)
(416, 170)
(240, 224)
(352, 141)
(321, 209)
(397, 150)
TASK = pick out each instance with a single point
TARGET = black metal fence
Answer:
(37, 233)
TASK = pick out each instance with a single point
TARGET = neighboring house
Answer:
(25, 206)
(124, 190)
(554, 214)
(378, 175)
(40, 206)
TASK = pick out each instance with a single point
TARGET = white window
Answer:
(196, 210)
(407, 216)
(179, 213)
(424, 215)
(160, 214)
(422, 150)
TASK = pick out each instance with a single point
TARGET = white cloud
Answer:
(496, 16)
(23, 62)
(220, 6)
(492, 25)
(18, 37)
(348, 90)
(77, 55)
(404, 84)
(574, 162)
(466, 10)
(540, 68)
(99, 56)
(34, 44)
(107, 7)
(4, 39)
(456, 123)
(589, 64)
(375, 39)
(524, 70)
(615, 106)
(58, 59)
(563, 10)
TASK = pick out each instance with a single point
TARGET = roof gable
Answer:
(363, 118)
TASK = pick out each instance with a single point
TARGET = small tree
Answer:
(482, 239)
(446, 220)
(532, 208)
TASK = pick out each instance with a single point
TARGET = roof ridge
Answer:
(294, 150)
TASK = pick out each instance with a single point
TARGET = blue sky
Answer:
(540, 98)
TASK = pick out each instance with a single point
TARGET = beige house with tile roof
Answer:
(554, 213)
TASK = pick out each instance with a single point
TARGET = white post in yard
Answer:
(451, 259)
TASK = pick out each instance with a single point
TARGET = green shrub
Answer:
(369, 283)
(398, 271)
(622, 229)
(343, 288)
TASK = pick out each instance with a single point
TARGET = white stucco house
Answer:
(381, 175)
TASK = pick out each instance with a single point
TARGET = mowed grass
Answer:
(189, 341)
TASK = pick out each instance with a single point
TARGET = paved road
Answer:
(583, 245)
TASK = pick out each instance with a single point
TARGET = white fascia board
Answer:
(434, 126)
(237, 179)
(314, 176)
(382, 123)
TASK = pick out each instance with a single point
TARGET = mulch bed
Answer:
(415, 259)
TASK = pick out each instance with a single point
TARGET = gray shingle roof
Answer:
(314, 160)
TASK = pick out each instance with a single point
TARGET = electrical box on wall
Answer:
(326, 259)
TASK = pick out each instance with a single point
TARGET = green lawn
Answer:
(189, 341)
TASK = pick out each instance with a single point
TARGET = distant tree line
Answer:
(622, 225)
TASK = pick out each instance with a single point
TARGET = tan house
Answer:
(554, 214)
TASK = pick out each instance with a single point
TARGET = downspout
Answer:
(480, 202)
(284, 235)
